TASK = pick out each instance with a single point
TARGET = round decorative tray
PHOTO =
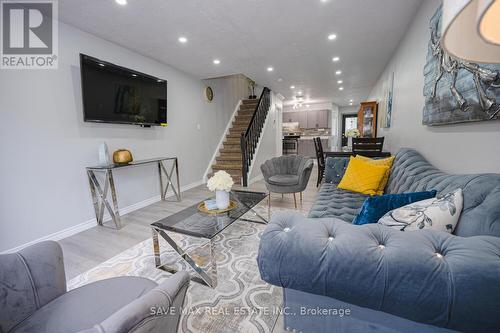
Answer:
(203, 209)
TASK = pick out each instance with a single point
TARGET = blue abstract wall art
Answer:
(457, 91)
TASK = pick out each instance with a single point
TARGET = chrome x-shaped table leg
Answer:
(261, 220)
(100, 198)
(206, 276)
(163, 171)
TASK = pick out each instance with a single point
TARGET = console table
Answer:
(100, 191)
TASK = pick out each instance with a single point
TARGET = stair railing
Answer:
(250, 138)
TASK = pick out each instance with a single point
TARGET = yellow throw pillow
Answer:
(362, 177)
(385, 162)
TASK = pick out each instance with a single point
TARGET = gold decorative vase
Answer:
(122, 156)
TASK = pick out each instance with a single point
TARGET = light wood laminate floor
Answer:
(91, 247)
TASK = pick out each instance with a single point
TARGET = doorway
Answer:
(349, 121)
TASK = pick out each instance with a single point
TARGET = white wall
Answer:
(268, 143)
(45, 145)
(228, 91)
(465, 148)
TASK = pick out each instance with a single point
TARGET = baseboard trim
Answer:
(73, 230)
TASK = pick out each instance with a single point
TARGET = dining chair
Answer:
(320, 156)
(367, 146)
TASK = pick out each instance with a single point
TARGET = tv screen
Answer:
(114, 94)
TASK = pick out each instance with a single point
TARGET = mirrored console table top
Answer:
(131, 164)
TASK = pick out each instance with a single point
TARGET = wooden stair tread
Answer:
(230, 159)
(231, 167)
(249, 101)
(230, 156)
(231, 150)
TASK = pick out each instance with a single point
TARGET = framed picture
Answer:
(385, 108)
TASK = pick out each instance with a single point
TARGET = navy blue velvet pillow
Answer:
(376, 206)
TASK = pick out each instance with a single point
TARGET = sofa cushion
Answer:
(363, 177)
(284, 180)
(381, 161)
(335, 168)
(375, 207)
(439, 214)
(481, 192)
(82, 308)
(334, 202)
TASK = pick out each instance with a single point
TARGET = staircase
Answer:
(230, 158)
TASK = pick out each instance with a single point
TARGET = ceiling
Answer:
(248, 36)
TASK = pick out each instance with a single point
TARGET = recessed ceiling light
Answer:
(270, 69)
(292, 87)
(332, 36)
(216, 61)
(121, 2)
(335, 59)
(102, 65)
(183, 40)
(341, 88)
(350, 103)
(159, 81)
(280, 80)
(299, 92)
(324, 1)
(134, 75)
(351, 100)
(340, 82)
(338, 72)
(307, 105)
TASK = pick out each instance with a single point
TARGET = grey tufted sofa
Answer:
(287, 174)
(376, 279)
(33, 298)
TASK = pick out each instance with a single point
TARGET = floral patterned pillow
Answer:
(440, 213)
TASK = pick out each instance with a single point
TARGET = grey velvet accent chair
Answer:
(34, 298)
(287, 174)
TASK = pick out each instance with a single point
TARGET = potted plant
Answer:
(352, 133)
(251, 88)
(221, 184)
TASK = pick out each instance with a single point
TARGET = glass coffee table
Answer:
(194, 223)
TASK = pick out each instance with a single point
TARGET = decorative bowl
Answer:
(122, 156)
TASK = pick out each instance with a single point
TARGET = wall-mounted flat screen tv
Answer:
(114, 94)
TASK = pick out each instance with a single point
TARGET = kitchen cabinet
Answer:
(323, 120)
(317, 119)
(291, 117)
(312, 119)
(308, 119)
(302, 119)
(306, 147)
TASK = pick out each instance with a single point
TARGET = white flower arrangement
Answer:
(221, 181)
(353, 133)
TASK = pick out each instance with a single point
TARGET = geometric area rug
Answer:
(241, 301)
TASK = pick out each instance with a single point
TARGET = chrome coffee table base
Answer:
(206, 275)
(203, 228)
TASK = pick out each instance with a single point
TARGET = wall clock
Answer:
(209, 94)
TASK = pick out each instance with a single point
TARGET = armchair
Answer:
(33, 298)
(287, 174)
